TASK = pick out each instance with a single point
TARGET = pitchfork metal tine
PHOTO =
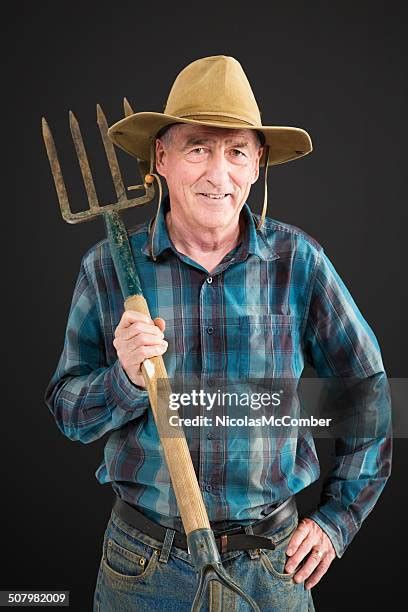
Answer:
(56, 172)
(143, 165)
(111, 155)
(128, 110)
(83, 162)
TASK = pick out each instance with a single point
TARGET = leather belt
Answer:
(229, 540)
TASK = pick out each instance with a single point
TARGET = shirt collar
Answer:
(254, 241)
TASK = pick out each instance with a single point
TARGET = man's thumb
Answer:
(161, 323)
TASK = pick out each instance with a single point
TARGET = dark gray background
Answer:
(335, 69)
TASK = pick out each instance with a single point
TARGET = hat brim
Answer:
(135, 133)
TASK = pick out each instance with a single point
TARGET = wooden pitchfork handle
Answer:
(201, 541)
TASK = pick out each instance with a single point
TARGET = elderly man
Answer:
(233, 295)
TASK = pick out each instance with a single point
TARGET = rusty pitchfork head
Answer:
(95, 209)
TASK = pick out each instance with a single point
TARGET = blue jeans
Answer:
(139, 573)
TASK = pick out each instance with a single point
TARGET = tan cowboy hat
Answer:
(211, 91)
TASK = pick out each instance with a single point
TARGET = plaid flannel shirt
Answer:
(272, 305)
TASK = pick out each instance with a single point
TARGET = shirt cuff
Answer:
(121, 392)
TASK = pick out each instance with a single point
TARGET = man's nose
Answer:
(217, 169)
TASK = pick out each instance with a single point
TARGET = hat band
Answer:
(216, 118)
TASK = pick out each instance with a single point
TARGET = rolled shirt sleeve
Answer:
(338, 342)
(87, 395)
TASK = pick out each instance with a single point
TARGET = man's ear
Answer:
(256, 169)
(160, 157)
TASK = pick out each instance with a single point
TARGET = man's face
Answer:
(209, 172)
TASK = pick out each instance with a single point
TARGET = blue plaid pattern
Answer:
(272, 305)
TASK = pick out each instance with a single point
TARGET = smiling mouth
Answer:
(214, 196)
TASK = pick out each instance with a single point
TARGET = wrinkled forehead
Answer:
(186, 133)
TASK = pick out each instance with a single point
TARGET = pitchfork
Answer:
(200, 537)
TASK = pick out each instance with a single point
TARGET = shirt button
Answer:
(210, 435)
(209, 280)
(210, 330)
(208, 487)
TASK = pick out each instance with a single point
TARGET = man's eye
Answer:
(238, 153)
(198, 150)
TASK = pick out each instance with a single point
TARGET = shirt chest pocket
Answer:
(269, 346)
